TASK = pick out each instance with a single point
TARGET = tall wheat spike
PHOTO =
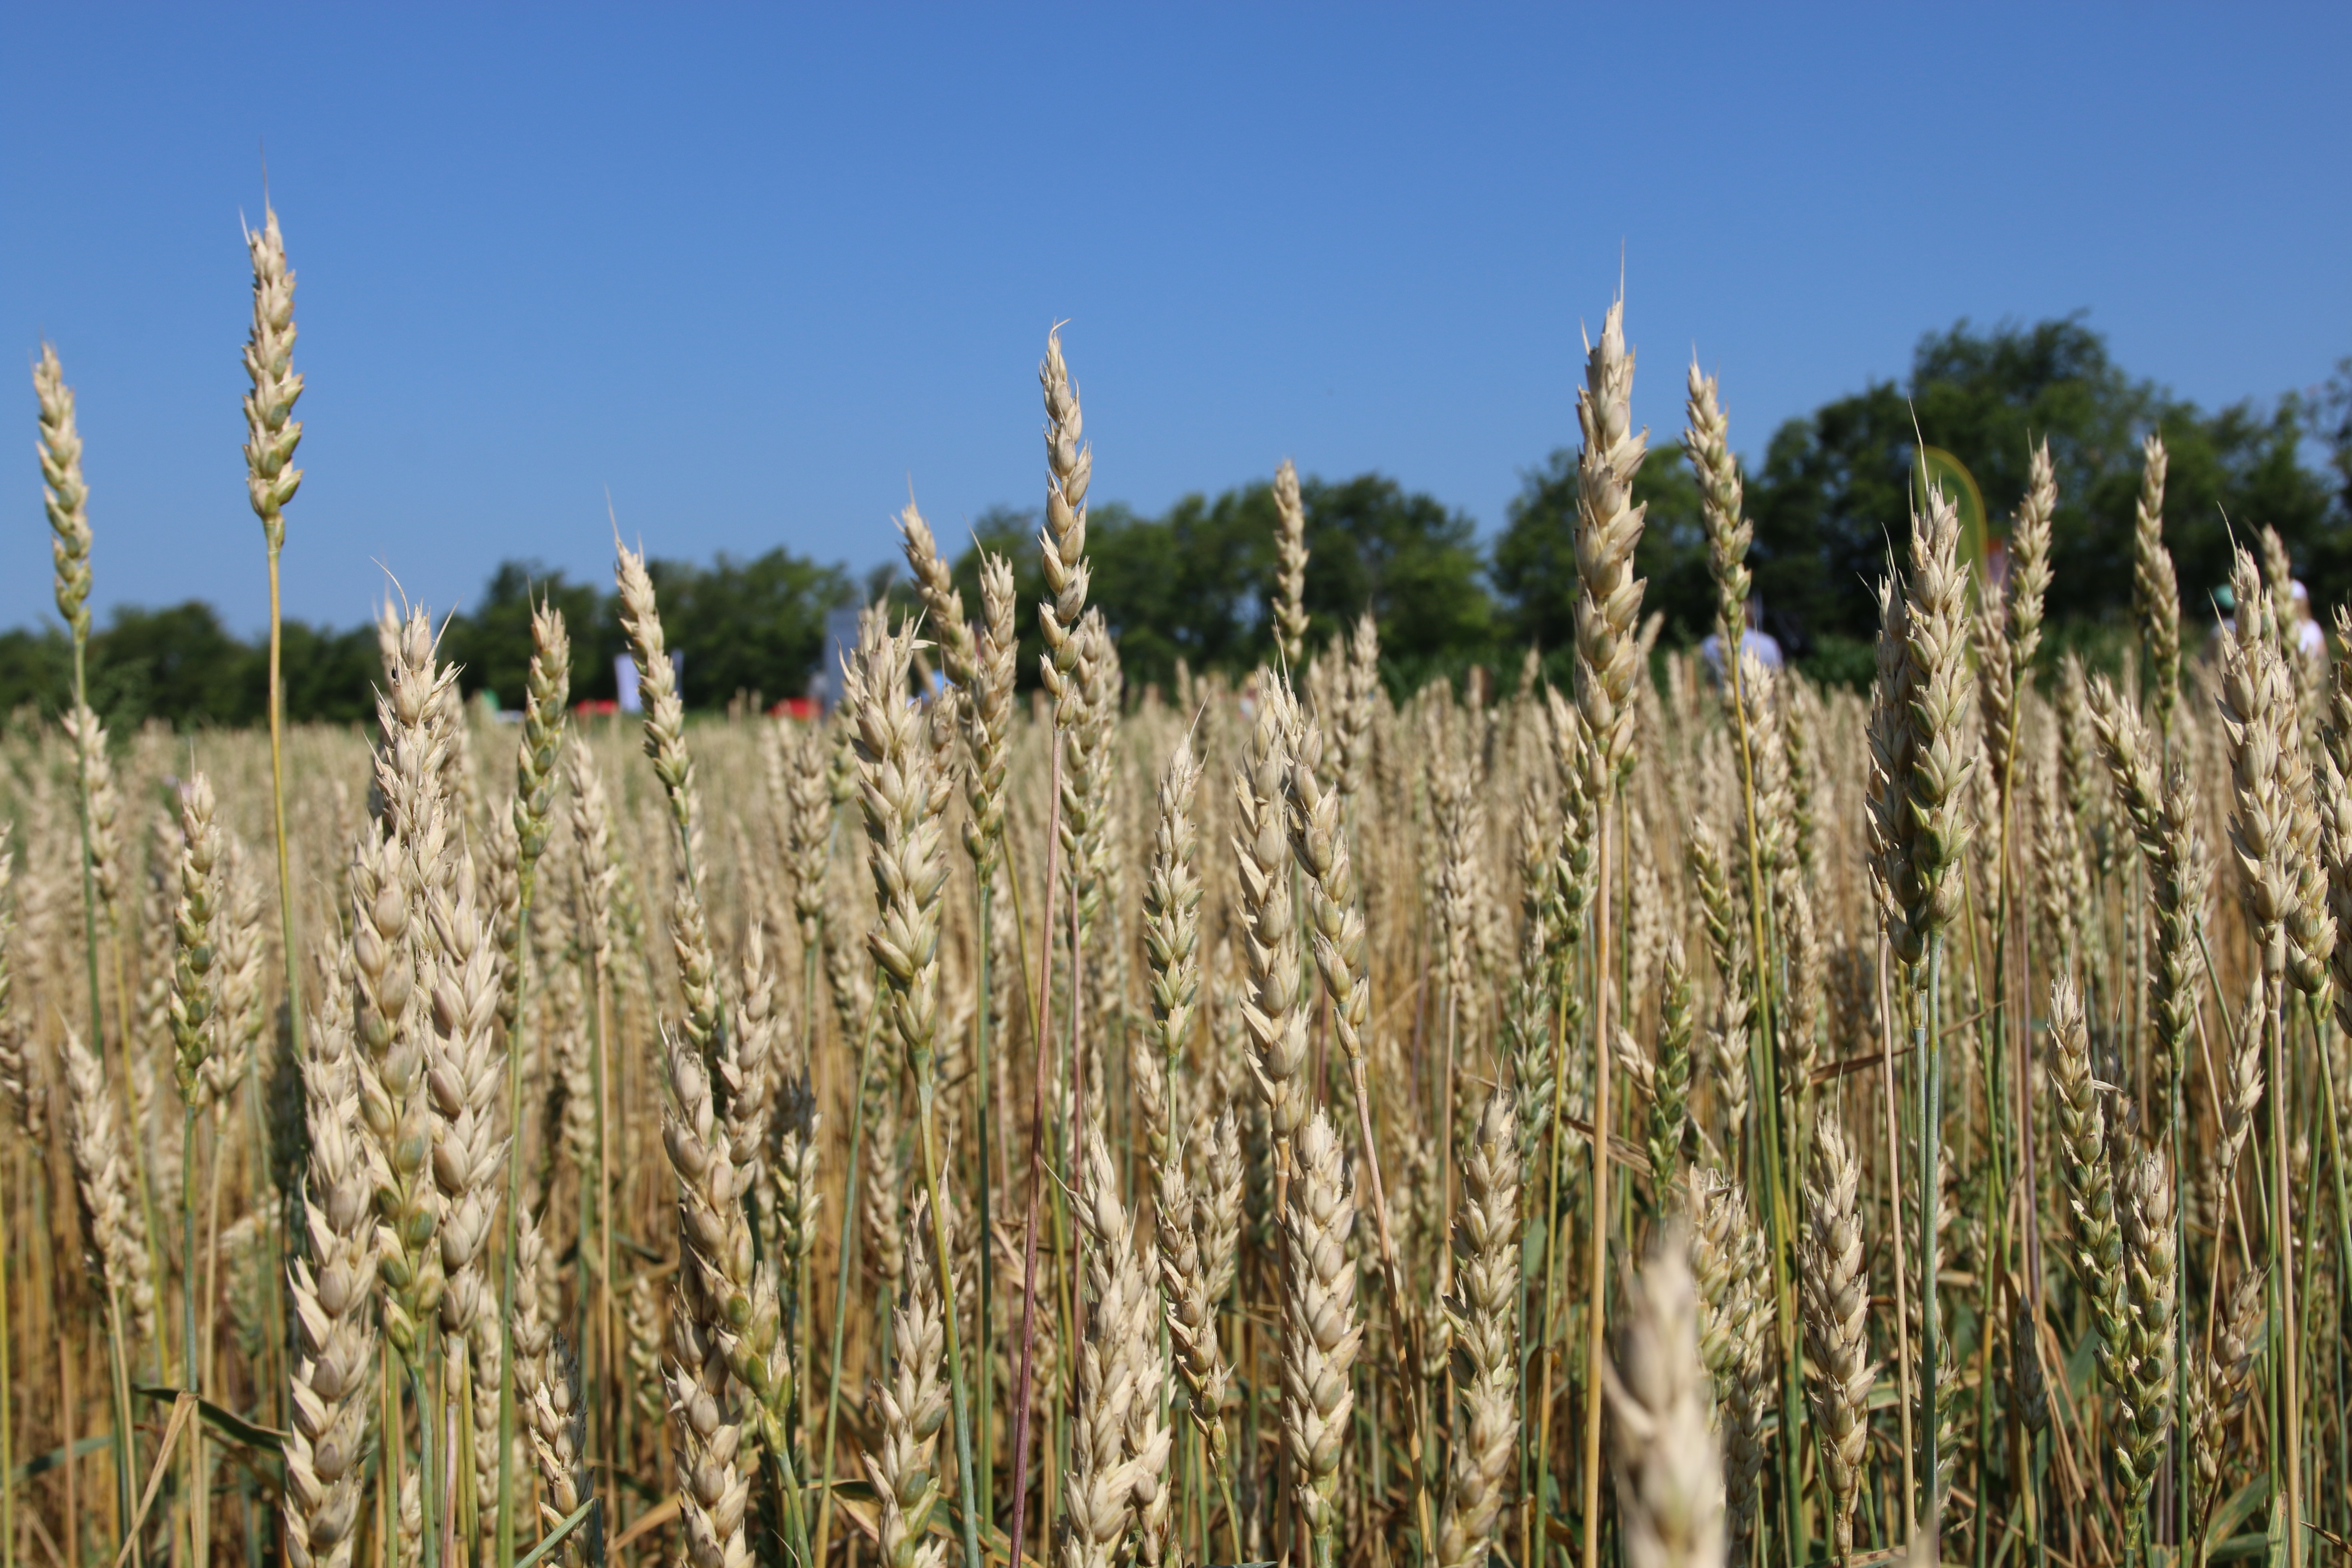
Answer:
(1608, 603)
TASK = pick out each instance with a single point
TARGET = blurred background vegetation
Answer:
(1193, 583)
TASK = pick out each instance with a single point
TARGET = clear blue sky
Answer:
(752, 269)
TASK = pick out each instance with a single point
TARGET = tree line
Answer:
(1192, 583)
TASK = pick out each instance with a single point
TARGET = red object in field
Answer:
(596, 707)
(800, 708)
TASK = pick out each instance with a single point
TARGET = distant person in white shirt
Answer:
(1754, 642)
(2310, 640)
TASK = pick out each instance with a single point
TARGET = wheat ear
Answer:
(1273, 1013)
(1608, 527)
(2152, 1266)
(1728, 1257)
(1670, 1078)
(908, 1412)
(1320, 1335)
(1100, 1487)
(64, 495)
(1289, 609)
(2163, 817)
(113, 1222)
(1727, 946)
(1484, 1314)
(717, 1304)
(392, 1092)
(2082, 1128)
(195, 997)
(239, 966)
(1834, 1290)
(2008, 633)
(557, 1416)
(333, 1381)
(1190, 1306)
(904, 795)
(1172, 947)
(2155, 590)
(1062, 545)
(1706, 445)
(942, 602)
(1670, 1499)
(465, 1071)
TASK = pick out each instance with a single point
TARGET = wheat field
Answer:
(1111, 1127)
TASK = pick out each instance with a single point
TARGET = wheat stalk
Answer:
(272, 434)
(1608, 603)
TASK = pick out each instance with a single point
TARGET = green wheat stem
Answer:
(1928, 1047)
(515, 1042)
(850, 1233)
(984, 1368)
(926, 1097)
(290, 941)
(7, 1423)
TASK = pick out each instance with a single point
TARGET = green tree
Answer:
(1833, 496)
(491, 645)
(331, 676)
(178, 663)
(1372, 544)
(754, 626)
(1535, 555)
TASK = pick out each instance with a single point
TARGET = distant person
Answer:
(2310, 639)
(1754, 641)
